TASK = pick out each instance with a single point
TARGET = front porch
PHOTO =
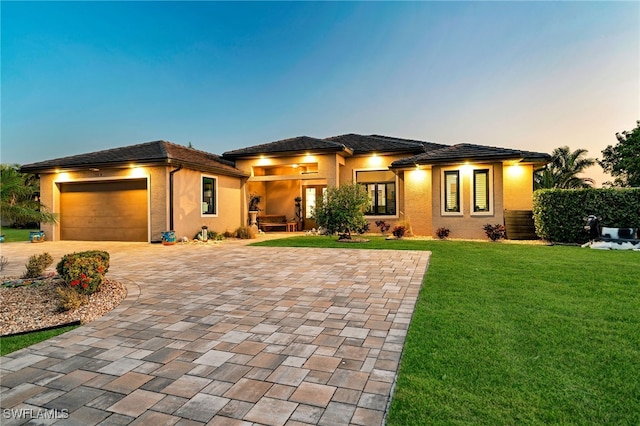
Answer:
(287, 204)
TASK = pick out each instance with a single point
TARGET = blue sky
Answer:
(84, 76)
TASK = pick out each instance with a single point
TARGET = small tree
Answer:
(563, 170)
(341, 210)
(622, 160)
(19, 203)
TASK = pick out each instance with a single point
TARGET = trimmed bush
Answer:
(341, 210)
(69, 299)
(84, 271)
(383, 226)
(37, 264)
(443, 233)
(559, 214)
(495, 232)
(399, 231)
(211, 235)
(245, 233)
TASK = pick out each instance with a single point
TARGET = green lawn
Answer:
(518, 334)
(12, 234)
(13, 343)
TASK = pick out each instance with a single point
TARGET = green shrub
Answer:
(383, 226)
(495, 232)
(559, 214)
(84, 271)
(245, 233)
(211, 235)
(69, 299)
(341, 209)
(443, 233)
(399, 231)
(37, 264)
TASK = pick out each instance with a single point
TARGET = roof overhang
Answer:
(344, 151)
(97, 166)
(510, 161)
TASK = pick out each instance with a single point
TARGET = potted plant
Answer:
(254, 201)
(299, 219)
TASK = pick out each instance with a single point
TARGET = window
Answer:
(209, 196)
(451, 193)
(481, 191)
(381, 187)
(454, 181)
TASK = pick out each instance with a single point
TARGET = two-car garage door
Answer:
(104, 210)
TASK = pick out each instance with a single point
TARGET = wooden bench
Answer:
(269, 221)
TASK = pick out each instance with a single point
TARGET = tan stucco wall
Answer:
(156, 185)
(281, 198)
(277, 198)
(327, 168)
(518, 187)
(418, 191)
(47, 195)
(278, 191)
(188, 218)
(159, 202)
(467, 225)
(417, 200)
(377, 162)
(369, 162)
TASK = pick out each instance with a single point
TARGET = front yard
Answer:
(511, 334)
(15, 234)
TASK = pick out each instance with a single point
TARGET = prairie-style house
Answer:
(137, 192)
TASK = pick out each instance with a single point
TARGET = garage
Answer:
(114, 210)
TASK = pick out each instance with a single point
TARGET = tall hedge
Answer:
(559, 213)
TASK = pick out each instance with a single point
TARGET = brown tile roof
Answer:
(350, 143)
(295, 145)
(157, 152)
(469, 152)
(428, 146)
(367, 144)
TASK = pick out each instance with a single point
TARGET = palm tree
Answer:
(18, 201)
(564, 169)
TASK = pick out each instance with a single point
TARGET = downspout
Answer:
(171, 173)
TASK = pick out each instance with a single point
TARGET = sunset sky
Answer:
(84, 76)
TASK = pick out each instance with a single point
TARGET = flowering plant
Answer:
(83, 281)
(84, 271)
(384, 226)
(399, 231)
(495, 232)
(442, 233)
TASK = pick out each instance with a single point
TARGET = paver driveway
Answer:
(225, 334)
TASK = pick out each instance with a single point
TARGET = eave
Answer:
(96, 166)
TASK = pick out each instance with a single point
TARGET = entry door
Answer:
(310, 198)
